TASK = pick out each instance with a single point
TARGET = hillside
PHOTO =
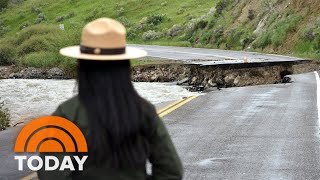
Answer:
(30, 33)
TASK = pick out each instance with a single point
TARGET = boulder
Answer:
(183, 81)
(211, 83)
(237, 81)
(286, 79)
(53, 72)
(229, 80)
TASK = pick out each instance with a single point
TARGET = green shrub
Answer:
(151, 35)
(132, 33)
(282, 29)
(72, 1)
(149, 22)
(41, 59)
(7, 54)
(190, 30)
(309, 34)
(302, 47)
(278, 38)
(316, 44)
(70, 15)
(262, 41)
(246, 40)
(212, 23)
(155, 19)
(66, 38)
(181, 11)
(193, 27)
(217, 36)
(250, 14)
(21, 15)
(93, 15)
(201, 24)
(24, 25)
(36, 10)
(142, 25)
(126, 22)
(189, 17)
(3, 4)
(36, 30)
(233, 38)
(16, 1)
(206, 37)
(69, 66)
(40, 18)
(175, 30)
(4, 116)
(35, 44)
(120, 12)
(60, 18)
(164, 3)
(3, 30)
(220, 6)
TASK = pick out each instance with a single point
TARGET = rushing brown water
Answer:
(27, 99)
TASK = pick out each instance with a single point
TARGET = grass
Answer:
(307, 49)
(304, 47)
(4, 117)
(133, 10)
(189, 23)
(135, 62)
(27, 43)
(283, 28)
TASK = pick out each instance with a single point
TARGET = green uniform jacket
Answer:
(166, 164)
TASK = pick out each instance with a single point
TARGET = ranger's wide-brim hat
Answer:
(103, 39)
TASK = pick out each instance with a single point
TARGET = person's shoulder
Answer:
(72, 102)
(148, 107)
(151, 117)
(68, 108)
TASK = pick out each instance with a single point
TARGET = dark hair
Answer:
(115, 113)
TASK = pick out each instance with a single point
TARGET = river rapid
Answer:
(27, 99)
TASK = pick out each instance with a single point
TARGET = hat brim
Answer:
(131, 53)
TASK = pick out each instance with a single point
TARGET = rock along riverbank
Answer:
(197, 77)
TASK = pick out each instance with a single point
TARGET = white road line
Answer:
(318, 94)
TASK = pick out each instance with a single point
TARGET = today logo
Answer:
(51, 134)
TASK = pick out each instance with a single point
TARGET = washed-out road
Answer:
(260, 132)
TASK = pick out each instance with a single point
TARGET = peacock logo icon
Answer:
(51, 134)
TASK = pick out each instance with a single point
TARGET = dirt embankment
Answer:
(197, 77)
(235, 75)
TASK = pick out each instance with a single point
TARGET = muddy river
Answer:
(27, 99)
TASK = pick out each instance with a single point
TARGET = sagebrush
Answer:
(4, 116)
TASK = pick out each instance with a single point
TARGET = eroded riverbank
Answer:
(197, 76)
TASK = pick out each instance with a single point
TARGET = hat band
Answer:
(102, 51)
